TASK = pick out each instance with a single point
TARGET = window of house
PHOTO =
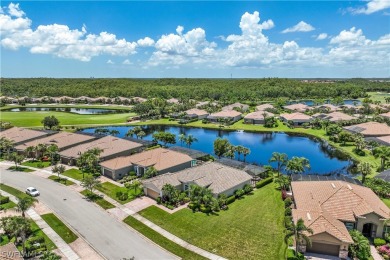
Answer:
(386, 230)
(193, 163)
(349, 225)
(186, 187)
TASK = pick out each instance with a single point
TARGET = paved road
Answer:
(112, 239)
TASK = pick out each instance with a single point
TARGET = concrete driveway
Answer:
(111, 238)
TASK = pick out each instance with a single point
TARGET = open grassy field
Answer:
(69, 106)
(252, 228)
(378, 96)
(161, 240)
(59, 227)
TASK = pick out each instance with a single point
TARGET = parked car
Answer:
(32, 191)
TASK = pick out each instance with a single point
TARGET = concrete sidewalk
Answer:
(65, 249)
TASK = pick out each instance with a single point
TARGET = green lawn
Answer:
(61, 180)
(33, 119)
(161, 240)
(20, 169)
(13, 191)
(59, 227)
(375, 96)
(69, 106)
(111, 189)
(98, 200)
(36, 164)
(74, 174)
(252, 228)
(8, 205)
(37, 232)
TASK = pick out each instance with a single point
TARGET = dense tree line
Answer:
(199, 89)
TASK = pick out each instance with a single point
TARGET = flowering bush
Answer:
(384, 250)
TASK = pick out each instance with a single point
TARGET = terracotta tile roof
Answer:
(329, 106)
(18, 134)
(297, 107)
(110, 145)
(384, 139)
(258, 115)
(226, 113)
(263, 107)
(218, 177)
(370, 129)
(386, 114)
(159, 158)
(295, 116)
(336, 201)
(198, 112)
(173, 101)
(335, 116)
(236, 105)
(62, 140)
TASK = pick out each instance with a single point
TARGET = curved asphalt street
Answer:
(112, 239)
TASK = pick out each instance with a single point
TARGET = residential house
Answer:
(196, 113)
(138, 100)
(221, 179)
(297, 118)
(21, 135)
(385, 175)
(231, 115)
(385, 115)
(264, 107)
(382, 140)
(112, 147)
(173, 101)
(369, 129)
(63, 140)
(332, 208)
(163, 160)
(328, 108)
(297, 107)
(257, 117)
(237, 105)
(334, 117)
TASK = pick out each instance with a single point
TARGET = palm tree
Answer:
(134, 185)
(246, 151)
(140, 134)
(299, 231)
(189, 140)
(382, 152)
(130, 133)
(6, 145)
(239, 150)
(29, 152)
(297, 165)
(365, 169)
(59, 169)
(52, 151)
(280, 158)
(24, 204)
(182, 139)
(40, 150)
(114, 132)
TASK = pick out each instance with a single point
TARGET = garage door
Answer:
(152, 193)
(326, 249)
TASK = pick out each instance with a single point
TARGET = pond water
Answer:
(323, 159)
(311, 102)
(81, 111)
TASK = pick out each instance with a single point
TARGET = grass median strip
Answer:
(59, 227)
(97, 199)
(61, 180)
(161, 240)
(20, 169)
(17, 193)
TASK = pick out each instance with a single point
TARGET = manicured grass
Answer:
(98, 200)
(387, 202)
(59, 227)
(161, 240)
(252, 228)
(70, 106)
(74, 174)
(111, 189)
(8, 205)
(33, 119)
(37, 232)
(36, 164)
(17, 193)
(20, 169)
(375, 96)
(61, 180)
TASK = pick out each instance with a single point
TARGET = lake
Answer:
(311, 102)
(81, 111)
(323, 159)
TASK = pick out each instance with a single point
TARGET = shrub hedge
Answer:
(379, 241)
(264, 182)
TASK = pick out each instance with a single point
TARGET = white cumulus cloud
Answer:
(299, 27)
(110, 62)
(372, 6)
(322, 36)
(145, 42)
(126, 62)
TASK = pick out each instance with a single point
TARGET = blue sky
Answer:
(195, 39)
